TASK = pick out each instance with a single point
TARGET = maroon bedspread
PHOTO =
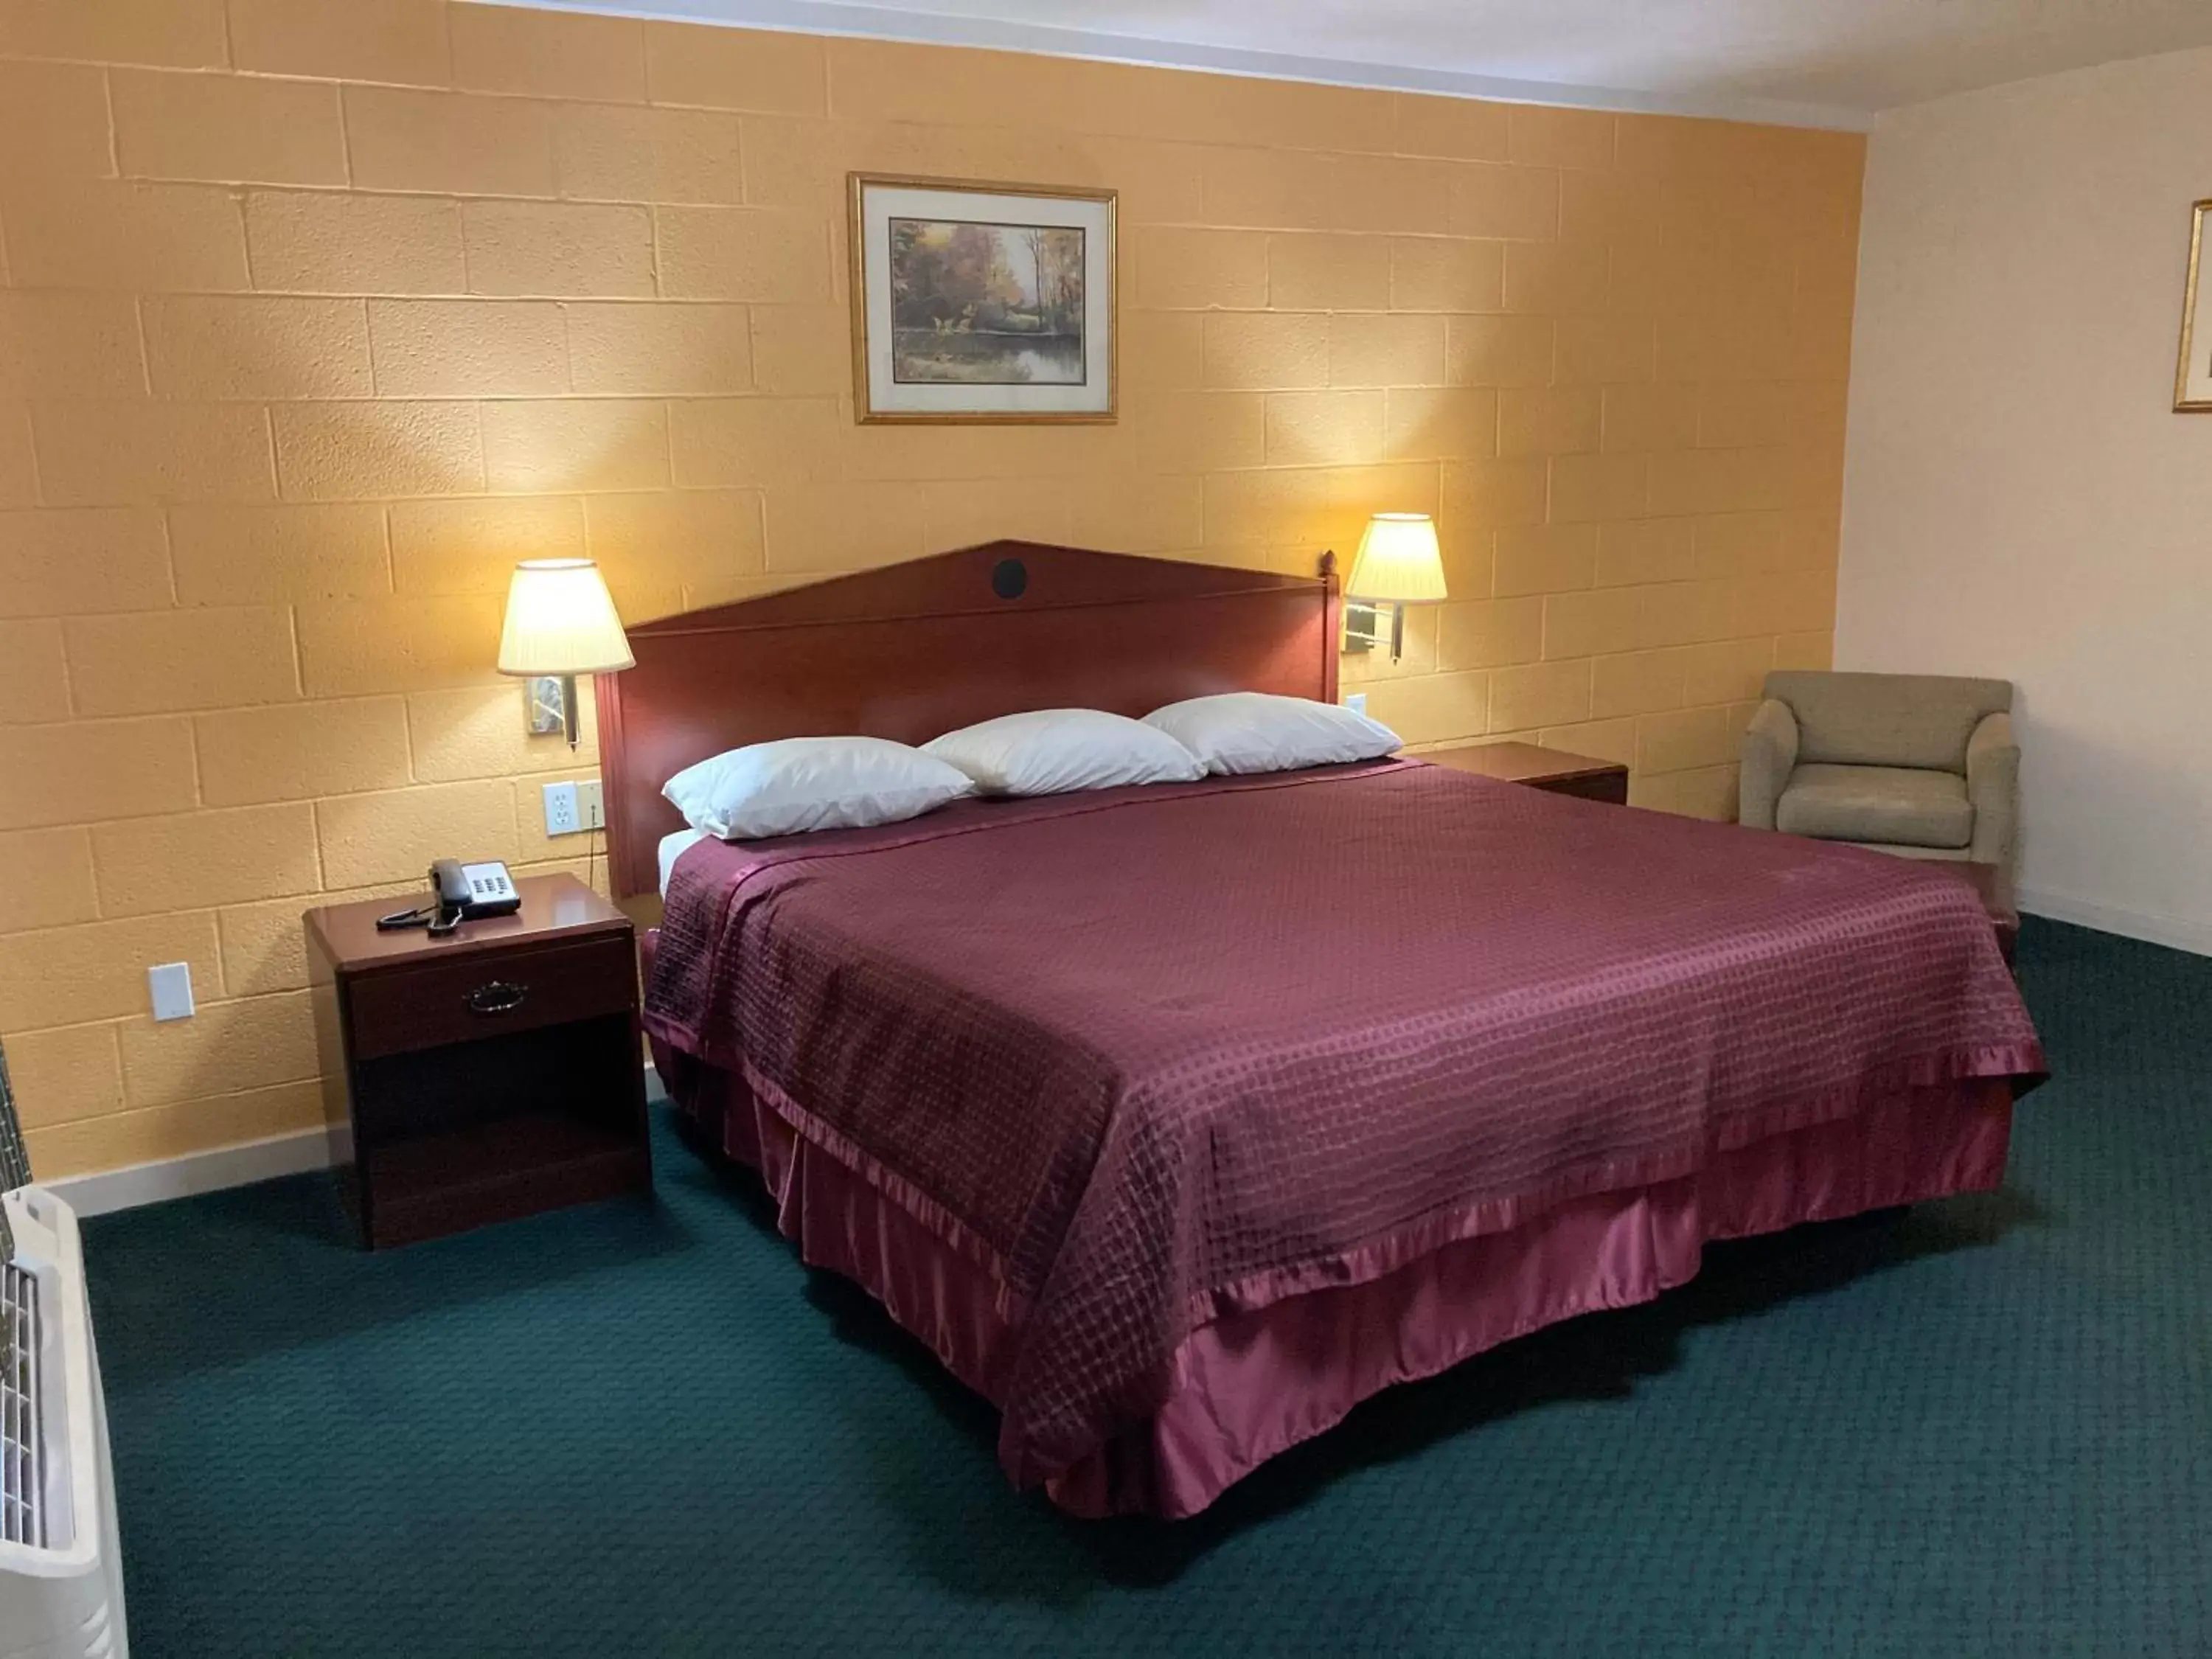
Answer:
(1152, 1055)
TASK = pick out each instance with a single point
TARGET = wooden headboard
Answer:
(914, 650)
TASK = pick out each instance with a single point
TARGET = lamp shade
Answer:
(561, 620)
(1398, 562)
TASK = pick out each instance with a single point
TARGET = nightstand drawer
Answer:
(1612, 787)
(426, 1005)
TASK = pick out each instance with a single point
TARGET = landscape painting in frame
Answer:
(975, 302)
(2192, 380)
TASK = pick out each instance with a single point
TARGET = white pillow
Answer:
(811, 783)
(1053, 750)
(1252, 732)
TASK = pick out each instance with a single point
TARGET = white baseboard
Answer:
(201, 1172)
(223, 1166)
(2178, 931)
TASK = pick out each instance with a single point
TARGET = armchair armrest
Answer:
(1770, 755)
(1993, 788)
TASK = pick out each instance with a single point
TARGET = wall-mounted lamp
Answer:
(1398, 564)
(561, 623)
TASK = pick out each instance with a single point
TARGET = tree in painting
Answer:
(986, 304)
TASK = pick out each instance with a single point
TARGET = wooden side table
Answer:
(1553, 770)
(489, 1074)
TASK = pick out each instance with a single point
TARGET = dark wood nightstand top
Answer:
(1524, 763)
(556, 909)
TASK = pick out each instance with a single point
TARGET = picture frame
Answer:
(2192, 374)
(978, 302)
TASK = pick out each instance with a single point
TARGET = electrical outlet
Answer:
(561, 811)
(170, 984)
(591, 804)
(1357, 702)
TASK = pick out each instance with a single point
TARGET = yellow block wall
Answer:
(319, 313)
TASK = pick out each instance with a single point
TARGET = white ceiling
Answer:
(1824, 61)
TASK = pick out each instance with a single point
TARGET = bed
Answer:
(1177, 1121)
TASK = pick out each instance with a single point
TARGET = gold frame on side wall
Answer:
(857, 184)
(2183, 403)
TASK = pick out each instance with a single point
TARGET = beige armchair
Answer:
(1915, 764)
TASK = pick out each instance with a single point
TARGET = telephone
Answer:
(463, 893)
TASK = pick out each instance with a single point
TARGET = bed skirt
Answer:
(1253, 1383)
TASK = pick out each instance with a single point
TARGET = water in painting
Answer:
(975, 304)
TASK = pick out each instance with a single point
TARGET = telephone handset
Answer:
(460, 892)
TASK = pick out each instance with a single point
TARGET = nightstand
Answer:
(1552, 769)
(487, 1074)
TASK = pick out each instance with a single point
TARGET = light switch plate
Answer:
(1357, 702)
(560, 816)
(170, 984)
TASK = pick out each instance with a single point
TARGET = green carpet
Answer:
(1984, 1427)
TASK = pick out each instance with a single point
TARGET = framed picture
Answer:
(982, 302)
(2192, 380)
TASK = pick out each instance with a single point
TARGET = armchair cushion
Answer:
(1898, 805)
(1886, 720)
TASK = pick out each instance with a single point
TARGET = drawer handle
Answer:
(500, 997)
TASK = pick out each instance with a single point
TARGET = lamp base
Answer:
(1363, 627)
(544, 707)
(552, 706)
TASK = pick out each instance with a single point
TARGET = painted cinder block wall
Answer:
(319, 313)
